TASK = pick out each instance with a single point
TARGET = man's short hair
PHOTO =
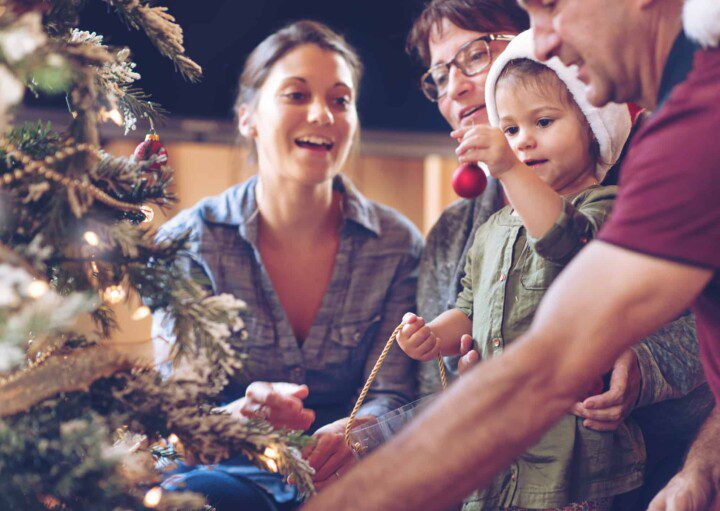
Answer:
(475, 15)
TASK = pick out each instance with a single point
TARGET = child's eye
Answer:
(544, 123)
(510, 130)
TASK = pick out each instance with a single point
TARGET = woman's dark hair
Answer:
(262, 59)
(475, 15)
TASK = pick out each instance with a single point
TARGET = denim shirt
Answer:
(372, 285)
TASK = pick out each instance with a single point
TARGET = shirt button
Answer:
(496, 342)
(502, 277)
(513, 476)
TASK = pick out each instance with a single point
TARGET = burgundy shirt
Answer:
(668, 204)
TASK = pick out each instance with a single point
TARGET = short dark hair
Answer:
(475, 15)
(262, 59)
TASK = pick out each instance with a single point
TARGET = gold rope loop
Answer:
(30, 165)
(373, 374)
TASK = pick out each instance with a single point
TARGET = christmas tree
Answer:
(83, 426)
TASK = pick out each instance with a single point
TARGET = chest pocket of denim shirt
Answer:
(262, 362)
(537, 273)
(351, 342)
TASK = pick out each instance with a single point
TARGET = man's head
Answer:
(440, 32)
(619, 46)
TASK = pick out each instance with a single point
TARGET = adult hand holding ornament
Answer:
(470, 179)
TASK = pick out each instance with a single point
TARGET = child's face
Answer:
(547, 134)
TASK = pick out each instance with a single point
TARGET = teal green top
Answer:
(506, 275)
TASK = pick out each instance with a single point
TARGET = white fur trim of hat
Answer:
(701, 21)
(610, 124)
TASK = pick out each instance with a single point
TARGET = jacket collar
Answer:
(237, 206)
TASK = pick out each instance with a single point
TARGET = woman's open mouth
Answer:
(314, 143)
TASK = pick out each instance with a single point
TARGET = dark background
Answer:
(219, 34)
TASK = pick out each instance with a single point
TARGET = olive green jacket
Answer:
(506, 275)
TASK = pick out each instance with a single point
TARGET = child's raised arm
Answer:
(422, 342)
(538, 205)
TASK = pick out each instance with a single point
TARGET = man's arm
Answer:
(605, 300)
(696, 486)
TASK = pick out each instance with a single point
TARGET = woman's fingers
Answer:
(331, 454)
(279, 403)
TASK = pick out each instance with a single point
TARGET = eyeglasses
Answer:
(472, 58)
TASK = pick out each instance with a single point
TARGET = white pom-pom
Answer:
(701, 21)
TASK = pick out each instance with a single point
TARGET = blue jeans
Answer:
(235, 485)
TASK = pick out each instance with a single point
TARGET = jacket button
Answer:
(496, 342)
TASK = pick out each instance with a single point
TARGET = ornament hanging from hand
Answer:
(469, 180)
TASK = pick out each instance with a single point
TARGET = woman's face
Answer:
(464, 102)
(305, 118)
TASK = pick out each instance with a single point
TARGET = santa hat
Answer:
(701, 21)
(610, 124)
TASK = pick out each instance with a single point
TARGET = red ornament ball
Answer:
(151, 146)
(469, 181)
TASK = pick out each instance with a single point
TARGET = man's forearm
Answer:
(603, 302)
(704, 455)
(460, 443)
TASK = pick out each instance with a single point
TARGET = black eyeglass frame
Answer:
(487, 39)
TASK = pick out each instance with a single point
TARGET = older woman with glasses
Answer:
(457, 40)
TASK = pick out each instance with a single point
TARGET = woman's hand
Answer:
(280, 403)
(485, 144)
(606, 411)
(329, 455)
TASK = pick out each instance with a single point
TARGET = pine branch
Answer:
(163, 32)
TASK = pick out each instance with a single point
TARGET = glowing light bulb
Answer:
(140, 313)
(114, 294)
(271, 452)
(115, 116)
(91, 238)
(153, 497)
(37, 288)
(271, 465)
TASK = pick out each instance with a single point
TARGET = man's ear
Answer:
(246, 124)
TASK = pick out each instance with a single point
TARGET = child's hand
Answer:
(485, 144)
(416, 339)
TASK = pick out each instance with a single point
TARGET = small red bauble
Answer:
(151, 146)
(469, 180)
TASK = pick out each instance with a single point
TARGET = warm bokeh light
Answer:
(91, 238)
(37, 288)
(114, 294)
(153, 497)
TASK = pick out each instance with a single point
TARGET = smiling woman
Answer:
(325, 272)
